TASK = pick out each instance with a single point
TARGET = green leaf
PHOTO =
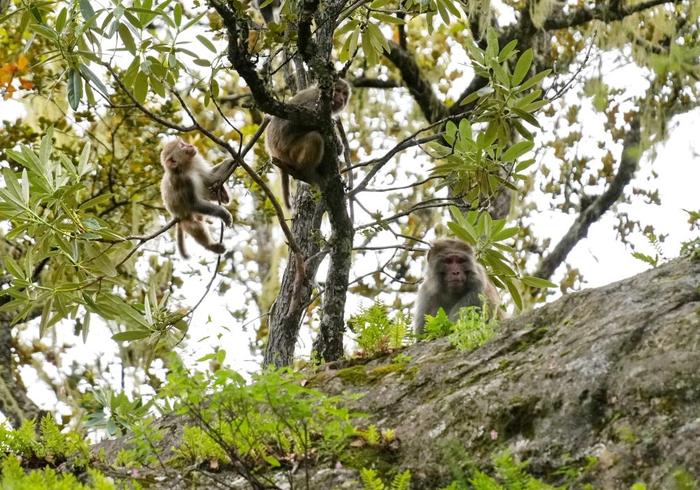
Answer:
(86, 9)
(13, 267)
(207, 43)
(514, 293)
(45, 148)
(75, 88)
(131, 335)
(527, 117)
(178, 14)
(389, 19)
(86, 325)
(537, 282)
(61, 19)
(534, 80)
(127, 38)
(517, 150)
(522, 67)
(141, 87)
(45, 316)
(25, 186)
(271, 460)
(523, 165)
(470, 98)
(507, 51)
(83, 163)
(44, 31)
(505, 234)
(202, 62)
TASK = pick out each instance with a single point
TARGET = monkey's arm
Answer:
(205, 207)
(426, 304)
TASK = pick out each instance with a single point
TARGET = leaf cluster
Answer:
(376, 332)
(48, 445)
(264, 424)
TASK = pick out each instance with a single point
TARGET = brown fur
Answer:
(453, 280)
(188, 187)
(298, 150)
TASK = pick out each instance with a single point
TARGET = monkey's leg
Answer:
(285, 188)
(307, 151)
(198, 230)
(204, 207)
(180, 234)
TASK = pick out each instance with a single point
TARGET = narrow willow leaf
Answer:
(534, 80)
(507, 51)
(527, 117)
(470, 98)
(45, 316)
(75, 88)
(83, 162)
(505, 234)
(517, 150)
(44, 31)
(127, 38)
(537, 282)
(45, 148)
(25, 186)
(86, 325)
(61, 19)
(207, 43)
(178, 14)
(522, 67)
(514, 293)
(389, 19)
(141, 87)
(86, 9)
(131, 335)
(89, 75)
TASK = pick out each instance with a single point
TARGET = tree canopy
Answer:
(465, 120)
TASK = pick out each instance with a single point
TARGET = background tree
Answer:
(446, 109)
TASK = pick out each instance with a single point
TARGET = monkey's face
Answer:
(341, 94)
(178, 154)
(457, 271)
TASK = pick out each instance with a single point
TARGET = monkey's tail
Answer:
(180, 232)
(285, 189)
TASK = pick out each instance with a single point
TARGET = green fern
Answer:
(370, 479)
(402, 481)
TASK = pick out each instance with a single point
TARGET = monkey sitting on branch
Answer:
(453, 280)
(188, 187)
(298, 150)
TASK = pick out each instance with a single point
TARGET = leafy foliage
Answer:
(14, 477)
(372, 481)
(509, 475)
(376, 332)
(259, 425)
(48, 445)
(472, 329)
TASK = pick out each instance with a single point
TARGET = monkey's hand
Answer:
(226, 217)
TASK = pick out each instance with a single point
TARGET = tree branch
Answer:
(579, 229)
(419, 86)
(600, 12)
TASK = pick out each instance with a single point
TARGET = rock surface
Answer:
(604, 383)
(612, 373)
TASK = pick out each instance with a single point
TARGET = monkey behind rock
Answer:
(453, 280)
(299, 150)
(188, 187)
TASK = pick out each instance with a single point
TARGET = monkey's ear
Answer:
(171, 163)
